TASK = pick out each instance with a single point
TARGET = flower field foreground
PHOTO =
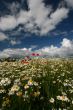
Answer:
(42, 84)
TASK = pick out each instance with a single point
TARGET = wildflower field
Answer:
(40, 84)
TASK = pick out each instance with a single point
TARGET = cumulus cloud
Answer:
(67, 43)
(15, 52)
(3, 36)
(65, 50)
(39, 19)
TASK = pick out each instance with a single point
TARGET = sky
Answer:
(40, 26)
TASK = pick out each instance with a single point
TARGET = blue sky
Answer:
(42, 26)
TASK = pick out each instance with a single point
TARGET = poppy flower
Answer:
(37, 54)
(33, 54)
(24, 62)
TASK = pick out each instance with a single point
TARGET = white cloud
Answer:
(38, 16)
(14, 42)
(66, 49)
(69, 3)
(3, 55)
(55, 18)
(3, 36)
(66, 43)
(26, 49)
(38, 11)
(15, 52)
(23, 17)
(7, 23)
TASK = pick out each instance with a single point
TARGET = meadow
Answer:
(39, 84)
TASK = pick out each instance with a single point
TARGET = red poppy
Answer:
(33, 54)
(37, 54)
(24, 62)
